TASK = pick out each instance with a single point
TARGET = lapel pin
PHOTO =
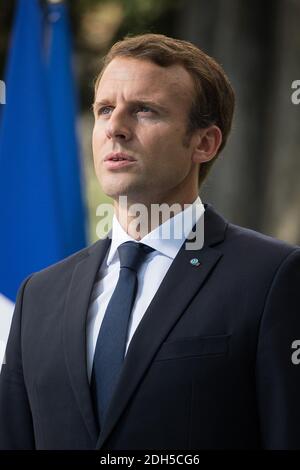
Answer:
(195, 262)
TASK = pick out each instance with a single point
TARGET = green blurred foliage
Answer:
(142, 11)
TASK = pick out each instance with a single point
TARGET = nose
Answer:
(118, 126)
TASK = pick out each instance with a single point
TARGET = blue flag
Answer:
(63, 112)
(41, 212)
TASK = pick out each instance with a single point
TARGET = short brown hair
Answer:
(214, 96)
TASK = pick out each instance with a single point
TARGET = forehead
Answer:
(143, 79)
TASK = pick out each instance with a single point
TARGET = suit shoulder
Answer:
(63, 269)
(257, 243)
(242, 242)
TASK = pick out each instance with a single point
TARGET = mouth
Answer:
(119, 156)
(117, 160)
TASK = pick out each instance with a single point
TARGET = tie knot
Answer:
(132, 254)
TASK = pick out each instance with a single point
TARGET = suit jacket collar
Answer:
(152, 330)
(74, 331)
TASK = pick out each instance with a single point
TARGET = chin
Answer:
(115, 191)
(114, 188)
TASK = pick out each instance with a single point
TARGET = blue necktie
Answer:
(111, 341)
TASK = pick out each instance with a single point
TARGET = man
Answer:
(208, 350)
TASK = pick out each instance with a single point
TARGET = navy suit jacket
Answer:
(209, 366)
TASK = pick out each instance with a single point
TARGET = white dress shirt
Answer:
(150, 274)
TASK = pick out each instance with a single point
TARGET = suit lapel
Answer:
(185, 280)
(75, 330)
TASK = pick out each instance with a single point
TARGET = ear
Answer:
(207, 144)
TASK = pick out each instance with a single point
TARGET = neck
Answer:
(139, 219)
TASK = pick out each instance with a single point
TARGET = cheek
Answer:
(168, 147)
(96, 146)
(157, 140)
(94, 138)
(98, 133)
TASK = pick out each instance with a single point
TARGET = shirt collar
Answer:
(167, 238)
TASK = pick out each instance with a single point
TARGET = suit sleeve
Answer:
(16, 430)
(277, 367)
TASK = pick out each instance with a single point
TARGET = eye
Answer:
(104, 110)
(144, 109)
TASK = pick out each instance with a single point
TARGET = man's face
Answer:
(141, 113)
